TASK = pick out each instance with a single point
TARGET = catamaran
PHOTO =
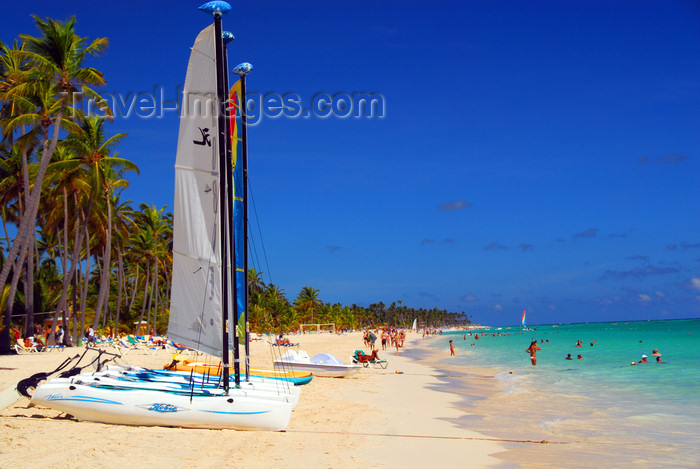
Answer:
(206, 300)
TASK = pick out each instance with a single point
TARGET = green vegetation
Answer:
(81, 251)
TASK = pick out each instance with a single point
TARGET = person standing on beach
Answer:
(395, 339)
(452, 349)
(372, 338)
(532, 350)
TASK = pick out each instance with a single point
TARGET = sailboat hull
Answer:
(143, 377)
(322, 364)
(159, 407)
(326, 371)
(298, 378)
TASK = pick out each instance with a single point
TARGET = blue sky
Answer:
(538, 155)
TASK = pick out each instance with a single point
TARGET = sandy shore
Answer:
(377, 418)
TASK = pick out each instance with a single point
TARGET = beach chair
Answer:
(122, 347)
(21, 348)
(181, 348)
(368, 360)
(41, 345)
(149, 349)
(51, 348)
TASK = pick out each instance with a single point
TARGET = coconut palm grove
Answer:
(74, 249)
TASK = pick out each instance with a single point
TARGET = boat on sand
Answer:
(321, 364)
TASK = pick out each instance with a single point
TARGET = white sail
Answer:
(195, 307)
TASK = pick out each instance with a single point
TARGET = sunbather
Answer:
(283, 341)
(362, 357)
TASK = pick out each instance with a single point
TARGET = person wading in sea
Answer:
(532, 350)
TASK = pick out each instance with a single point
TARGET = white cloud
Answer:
(695, 282)
(644, 297)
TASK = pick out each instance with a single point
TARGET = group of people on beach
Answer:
(40, 337)
(390, 336)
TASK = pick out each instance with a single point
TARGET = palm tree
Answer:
(123, 223)
(92, 150)
(308, 302)
(56, 69)
(67, 189)
(111, 182)
(255, 281)
(151, 242)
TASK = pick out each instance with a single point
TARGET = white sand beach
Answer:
(377, 418)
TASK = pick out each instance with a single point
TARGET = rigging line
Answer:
(437, 437)
(257, 222)
(253, 248)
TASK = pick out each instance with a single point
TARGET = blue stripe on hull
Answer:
(235, 413)
(86, 399)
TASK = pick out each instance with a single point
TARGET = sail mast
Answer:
(230, 214)
(217, 8)
(242, 70)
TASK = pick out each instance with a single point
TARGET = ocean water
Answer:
(599, 410)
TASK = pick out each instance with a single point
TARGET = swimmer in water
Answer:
(532, 350)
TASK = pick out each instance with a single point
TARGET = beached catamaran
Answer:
(206, 298)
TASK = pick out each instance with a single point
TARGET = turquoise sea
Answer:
(599, 410)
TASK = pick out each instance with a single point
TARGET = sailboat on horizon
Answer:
(524, 320)
(206, 300)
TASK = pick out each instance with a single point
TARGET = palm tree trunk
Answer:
(29, 284)
(105, 277)
(150, 299)
(157, 297)
(145, 296)
(86, 278)
(134, 289)
(79, 234)
(21, 241)
(74, 315)
(120, 282)
(29, 275)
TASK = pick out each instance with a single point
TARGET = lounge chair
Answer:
(122, 347)
(40, 344)
(20, 347)
(181, 348)
(51, 348)
(366, 360)
(142, 346)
